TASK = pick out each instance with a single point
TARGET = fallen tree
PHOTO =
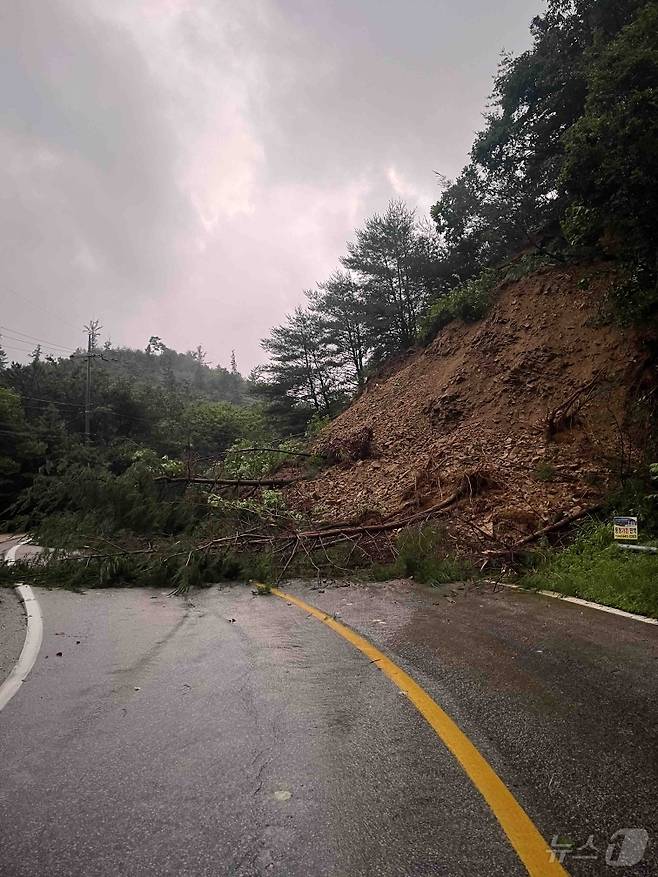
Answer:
(229, 482)
(570, 518)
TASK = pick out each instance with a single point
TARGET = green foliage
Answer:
(391, 259)
(20, 447)
(137, 395)
(595, 569)
(316, 425)
(570, 141)
(155, 414)
(178, 568)
(611, 154)
(544, 471)
(301, 378)
(81, 501)
(469, 302)
(342, 309)
(472, 300)
(635, 496)
(244, 461)
(270, 506)
(369, 309)
(158, 465)
(633, 299)
(209, 428)
(422, 555)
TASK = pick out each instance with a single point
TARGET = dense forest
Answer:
(563, 170)
(173, 404)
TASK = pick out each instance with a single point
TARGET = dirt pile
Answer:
(532, 409)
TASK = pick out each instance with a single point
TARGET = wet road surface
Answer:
(222, 734)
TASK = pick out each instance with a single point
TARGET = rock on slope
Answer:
(537, 397)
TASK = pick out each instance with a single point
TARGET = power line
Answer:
(34, 433)
(27, 349)
(44, 307)
(34, 338)
(51, 401)
(99, 409)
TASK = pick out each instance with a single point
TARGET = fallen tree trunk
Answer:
(544, 531)
(232, 482)
(275, 451)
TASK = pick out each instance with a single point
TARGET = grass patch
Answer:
(422, 556)
(544, 471)
(594, 568)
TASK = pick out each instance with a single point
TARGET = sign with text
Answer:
(625, 529)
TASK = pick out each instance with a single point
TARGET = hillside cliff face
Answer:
(532, 412)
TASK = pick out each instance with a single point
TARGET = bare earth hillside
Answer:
(530, 413)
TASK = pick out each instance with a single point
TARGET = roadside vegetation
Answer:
(422, 554)
(594, 567)
(597, 569)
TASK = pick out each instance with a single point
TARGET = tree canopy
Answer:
(564, 167)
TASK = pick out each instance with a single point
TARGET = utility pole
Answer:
(93, 331)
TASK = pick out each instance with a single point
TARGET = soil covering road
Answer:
(226, 734)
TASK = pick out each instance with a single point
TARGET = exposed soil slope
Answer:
(493, 397)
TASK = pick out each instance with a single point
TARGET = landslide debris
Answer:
(537, 403)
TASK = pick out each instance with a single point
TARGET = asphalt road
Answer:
(224, 734)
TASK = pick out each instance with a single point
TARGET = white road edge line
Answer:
(578, 601)
(33, 637)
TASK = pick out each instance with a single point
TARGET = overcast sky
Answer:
(186, 168)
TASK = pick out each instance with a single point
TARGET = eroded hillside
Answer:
(530, 412)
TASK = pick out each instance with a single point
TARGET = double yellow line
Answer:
(524, 836)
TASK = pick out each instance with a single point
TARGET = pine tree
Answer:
(342, 309)
(300, 366)
(388, 261)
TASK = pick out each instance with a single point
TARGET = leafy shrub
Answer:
(468, 302)
(242, 461)
(633, 299)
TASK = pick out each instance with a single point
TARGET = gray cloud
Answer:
(187, 167)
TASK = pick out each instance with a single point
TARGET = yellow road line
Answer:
(530, 846)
